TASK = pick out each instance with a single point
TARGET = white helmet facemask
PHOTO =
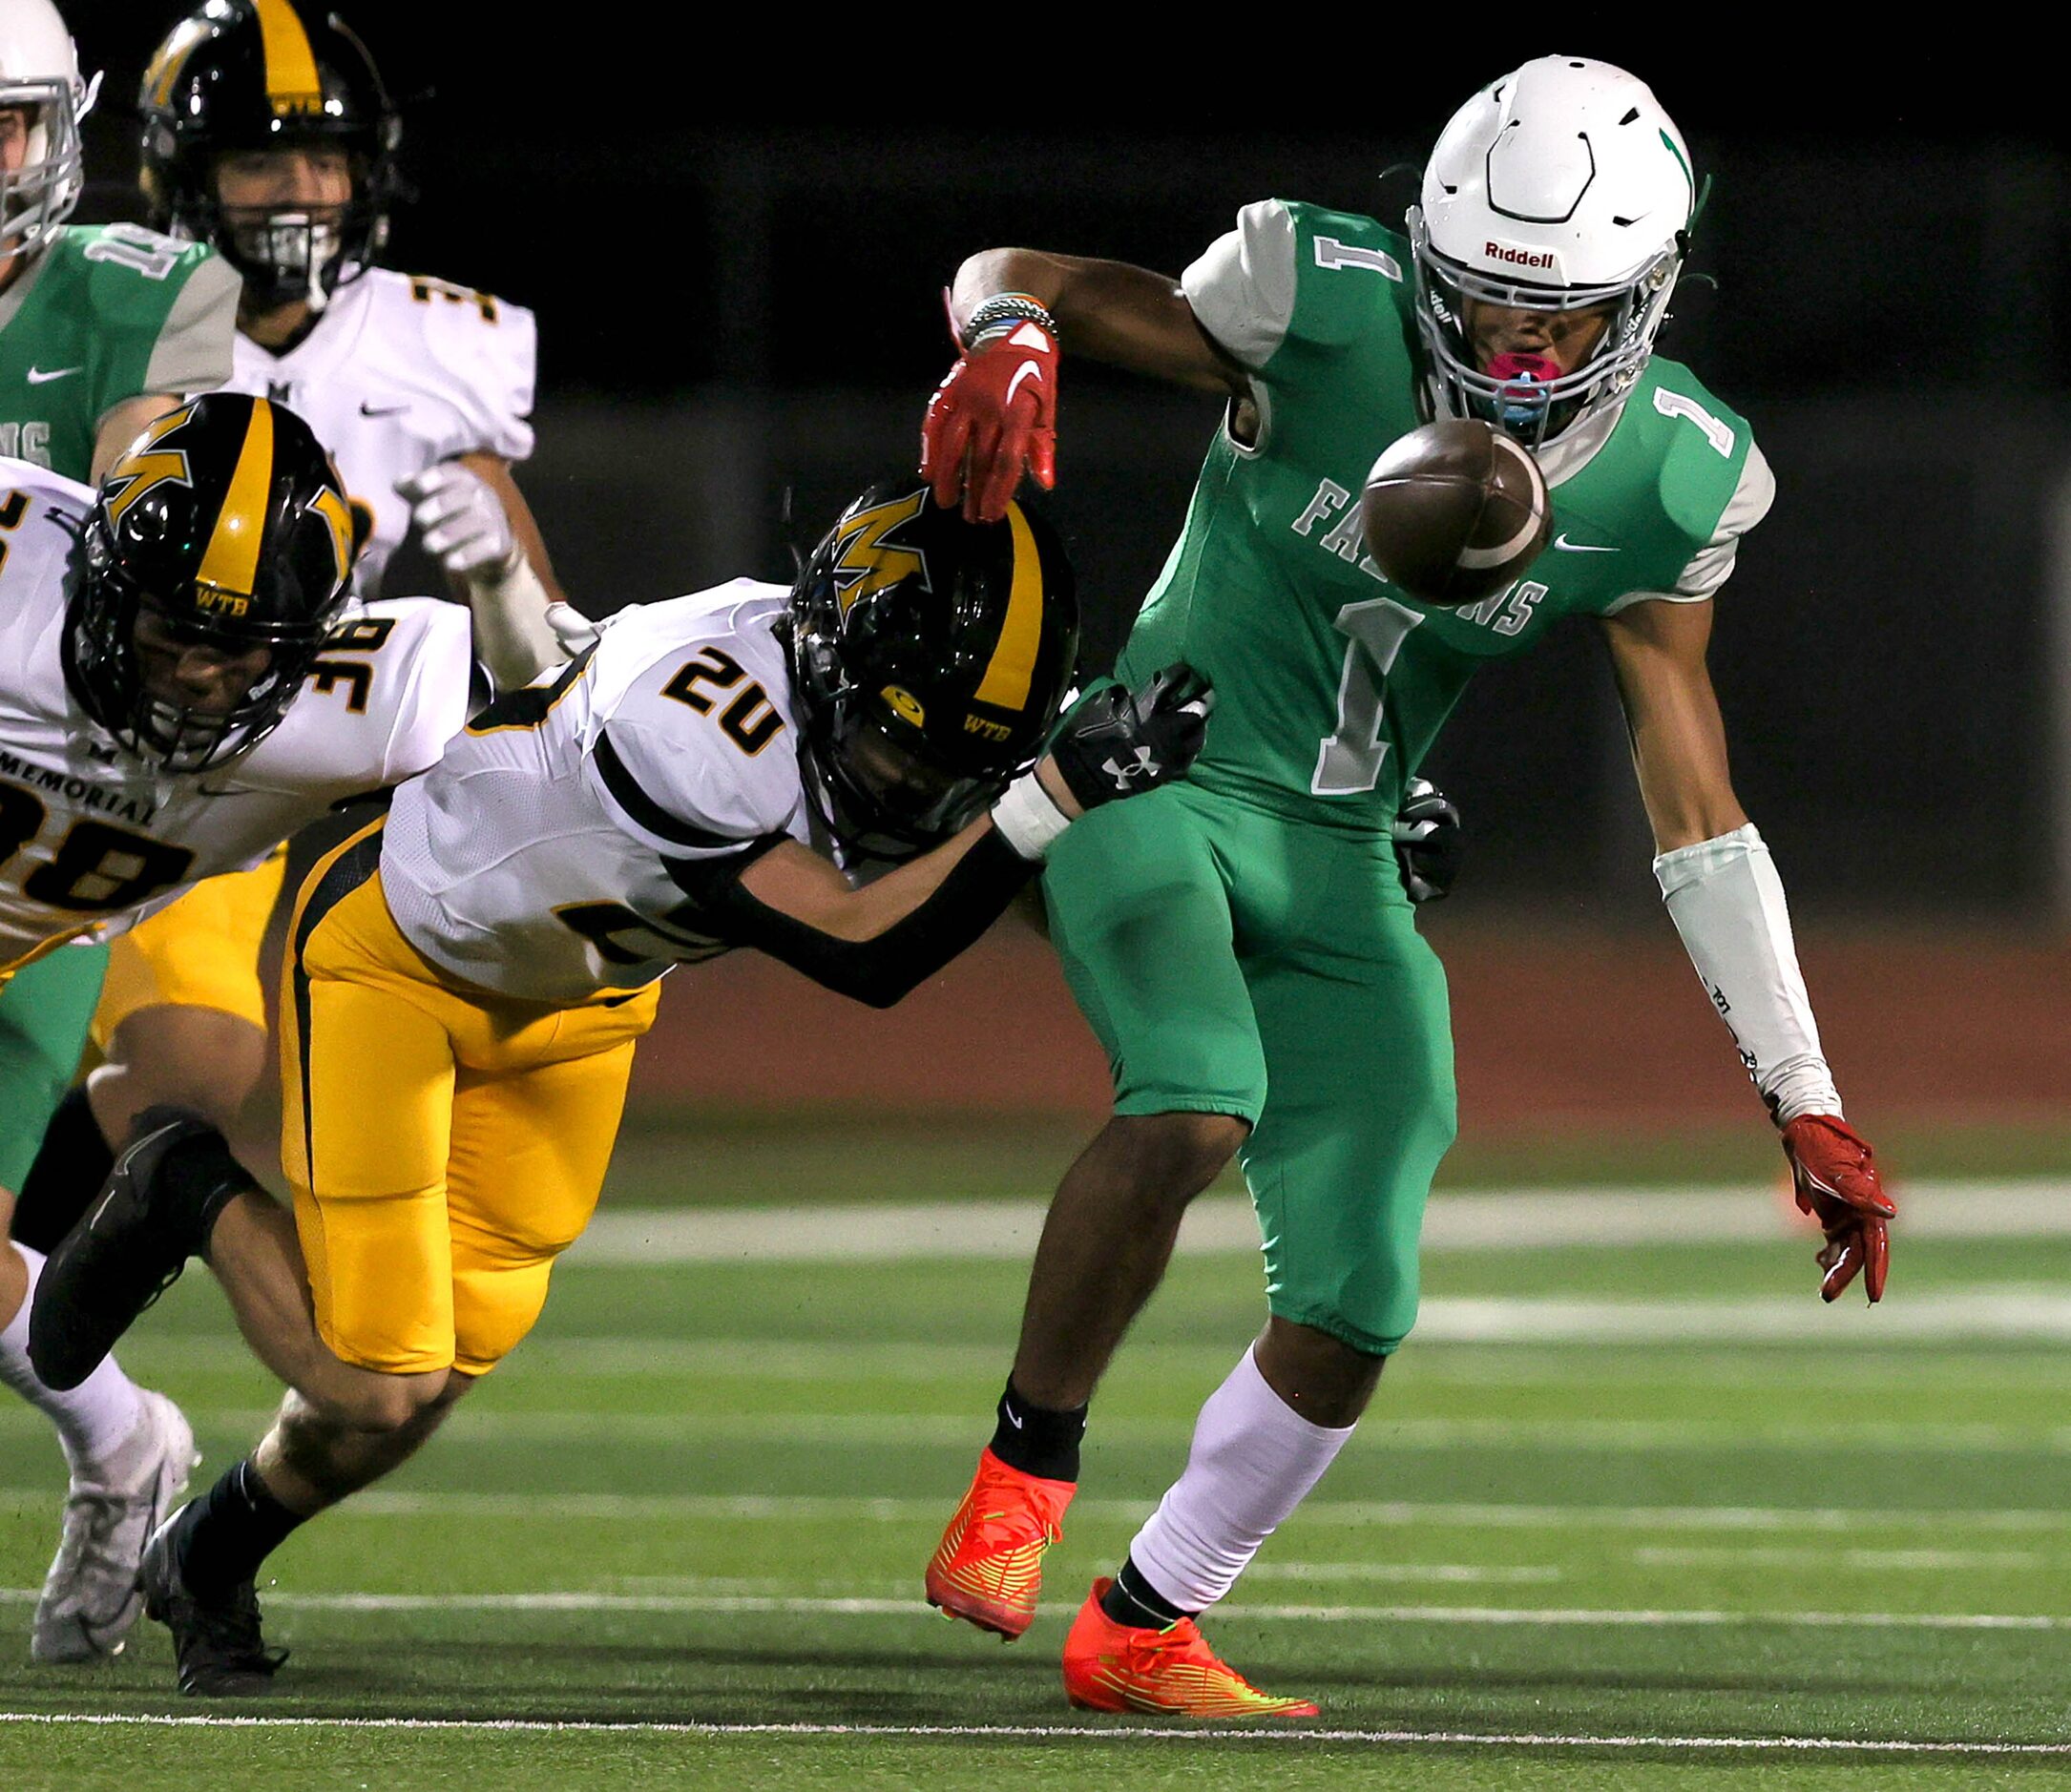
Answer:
(1563, 187)
(39, 72)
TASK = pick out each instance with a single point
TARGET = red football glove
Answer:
(1837, 1181)
(996, 412)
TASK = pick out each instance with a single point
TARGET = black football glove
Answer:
(1428, 842)
(1121, 742)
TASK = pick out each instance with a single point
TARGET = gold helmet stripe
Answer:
(172, 57)
(231, 561)
(292, 82)
(1013, 669)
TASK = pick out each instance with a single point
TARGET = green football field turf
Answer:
(676, 1540)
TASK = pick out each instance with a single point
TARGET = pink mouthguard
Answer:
(1506, 368)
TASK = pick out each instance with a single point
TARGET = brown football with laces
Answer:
(1455, 512)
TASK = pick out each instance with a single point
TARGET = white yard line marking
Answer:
(840, 1606)
(841, 1363)
(382, 1503)
(488, 1420)
(1112, 1733)
(1995, 1311)
(1881, 1561)
(1512, 1219)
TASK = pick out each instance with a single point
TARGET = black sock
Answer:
(1042, 1441)
(230, 1531)
(1133, 1601)
(71, 1165)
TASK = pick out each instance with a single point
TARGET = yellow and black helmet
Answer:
(258, 74)
(929, 658)
(226, 523)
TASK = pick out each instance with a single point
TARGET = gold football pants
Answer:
(444, 1145)
(200, 951)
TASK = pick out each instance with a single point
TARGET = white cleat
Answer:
(91, 1596)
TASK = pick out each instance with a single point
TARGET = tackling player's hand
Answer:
(460, 520)
(994, 412)
(1836, 1177)
(1121, 742)
(1428, 842)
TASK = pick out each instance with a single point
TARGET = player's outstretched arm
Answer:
(877, 943)
(1010, 312)
(1111, 311)
(1727, 903)
(474, 521)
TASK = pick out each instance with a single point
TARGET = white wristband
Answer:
(1727, 903)
(1028, 818)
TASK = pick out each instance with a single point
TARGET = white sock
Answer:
(1253, 1461)
(95, 1418)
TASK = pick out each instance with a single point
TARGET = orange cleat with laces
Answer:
(989, 1567)
(1169, 1673)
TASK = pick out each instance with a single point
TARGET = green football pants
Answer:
(45, 1011)
(1234, 960)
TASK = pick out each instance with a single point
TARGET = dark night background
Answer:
(735, 255)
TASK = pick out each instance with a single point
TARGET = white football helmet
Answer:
(39, 70)
(1562, 187)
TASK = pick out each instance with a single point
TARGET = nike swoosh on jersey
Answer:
(1567, 546)
(381, 410)
(43, 376)
(1028, 369)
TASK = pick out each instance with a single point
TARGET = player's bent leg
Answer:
(181, 1022)
(1350, 1010)
(1139, 912)
(202, 1059)
(200, 1570)
(1105, 1244)
(1136, 1646)
(1104, 1247)
(256, 1255)
(183, 1017)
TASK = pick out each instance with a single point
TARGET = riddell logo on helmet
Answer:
(1518, 257)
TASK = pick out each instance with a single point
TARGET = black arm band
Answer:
(877, 971)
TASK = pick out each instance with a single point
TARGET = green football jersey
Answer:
(103, 314)
(1331, 683)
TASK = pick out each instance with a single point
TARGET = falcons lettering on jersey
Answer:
(90, 837)
(535, 858)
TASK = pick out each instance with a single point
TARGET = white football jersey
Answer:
(90, 836)
(403, 371)
(533, 859)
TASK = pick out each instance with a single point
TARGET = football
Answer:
(1455, 512)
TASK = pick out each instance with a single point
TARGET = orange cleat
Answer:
(1169, 1673)
(989, 1567)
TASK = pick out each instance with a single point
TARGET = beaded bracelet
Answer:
(1004, 309)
